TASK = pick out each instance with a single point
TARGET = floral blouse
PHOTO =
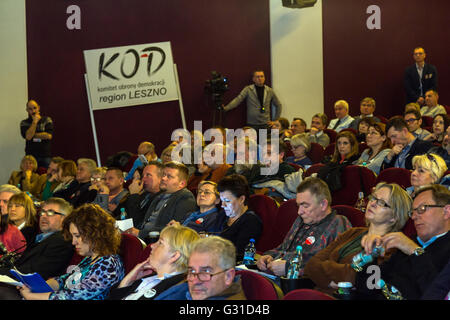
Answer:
(88, 281)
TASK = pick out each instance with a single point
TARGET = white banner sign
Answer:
(130, 75)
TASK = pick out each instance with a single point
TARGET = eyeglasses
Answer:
(412, 120)
(205, 192)
(202, 276)
(422, 208)
(49, 213)
(97, 179)
(379, 202)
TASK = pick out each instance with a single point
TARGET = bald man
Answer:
(37, 131)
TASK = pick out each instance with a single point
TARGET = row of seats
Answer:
(278, 220)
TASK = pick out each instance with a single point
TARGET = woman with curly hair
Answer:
(95, 237)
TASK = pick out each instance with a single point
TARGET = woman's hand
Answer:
(139, 271)
(370, 241)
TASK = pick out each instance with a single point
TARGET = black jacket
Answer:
(411, 81)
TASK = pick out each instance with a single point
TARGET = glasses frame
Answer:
(423, 208)
(52, 213)
(192, 275)
(384, 204)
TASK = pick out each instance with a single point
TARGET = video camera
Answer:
(217, 85)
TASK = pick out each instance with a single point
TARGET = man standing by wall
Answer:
(38, 133)
(259, 99)
(419, 78)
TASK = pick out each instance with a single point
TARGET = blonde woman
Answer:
(26, 179)
(165, 266)
(427, 169)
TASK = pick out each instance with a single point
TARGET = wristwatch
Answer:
(418, 251)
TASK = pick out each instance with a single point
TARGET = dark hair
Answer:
(397, 122)
(317, 187)
(236, 184)
(303, 122)
(415, 112)
(57, 160)
(96, 227)
(446, 119)
(380, 128)
(284, 123)
(118, 171)
(159, 167)
(353, 143)
(68, 168)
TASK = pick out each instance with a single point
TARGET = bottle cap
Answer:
(252, 240)
(380, 283)
(122, 209)
(345, 284)
(299, 248)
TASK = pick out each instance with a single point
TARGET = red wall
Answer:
(232, 37)
(359, 62)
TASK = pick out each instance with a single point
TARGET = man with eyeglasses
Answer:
(49, 255)
(414, 265)
(419, 78)
(211, 273)
(414, 120)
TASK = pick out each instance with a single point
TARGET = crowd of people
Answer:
(197, 218)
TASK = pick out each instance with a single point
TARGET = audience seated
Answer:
(440, 125)
(77, 192)
(210, 257)
(316, 226)
(11, 237)
(165, 267)
(343, 120)
(282, 125)
(146, 153)
(414, 266)
(49, 254)
(379, 146)
(427, 169)
(143, 191)
(111, 194)
(6, 192)
(208, 218)
(174, 202)
(300, 146)
(414, 122)
(26, 179)
(387, 211)
(166, 154)
(67, 170)
(49, 180)
(316, 134)
(367, 108)
(22, 214)
(363, 128)
(95, 236)
(298, 126)
(431, 107)
(405, 145)
(242, 224)
(444, 150)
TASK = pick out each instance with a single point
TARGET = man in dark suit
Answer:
(50, 254)
(419, 78)
(143, 191)
(405, 145)
(174, 202)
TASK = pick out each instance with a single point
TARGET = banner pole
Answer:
(91, 112)
(180, 99)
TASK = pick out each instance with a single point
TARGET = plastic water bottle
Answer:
(389, 291)
(123, 214)
(360, 203)
(249, 253)
(295, 267)
(362, 259)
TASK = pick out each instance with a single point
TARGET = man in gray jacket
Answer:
(260, 99)
(174, 202)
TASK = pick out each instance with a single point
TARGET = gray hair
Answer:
(9, 188)
(223, 249)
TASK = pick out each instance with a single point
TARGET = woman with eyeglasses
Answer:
(95, 236)
(427, 169)
(22, 214)
(379, 146)
(207, 218)
(386, 212)
(165, 267)
(300, 146)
